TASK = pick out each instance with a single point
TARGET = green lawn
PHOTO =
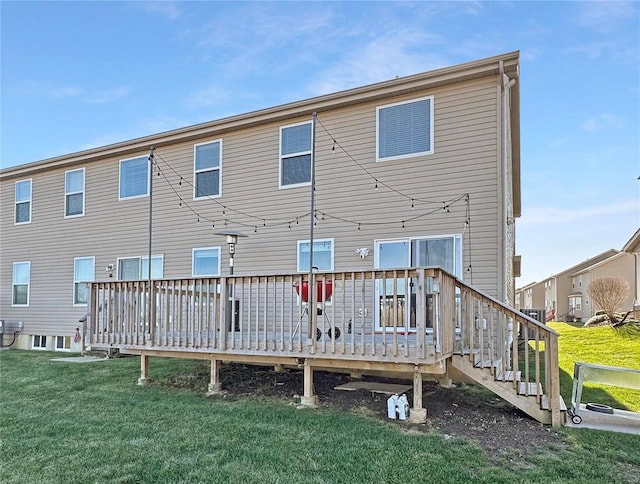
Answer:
(79, 423)
(602, 345)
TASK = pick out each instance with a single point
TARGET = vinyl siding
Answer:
(465, 160)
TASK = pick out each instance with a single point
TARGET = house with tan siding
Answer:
(619, 266)
(447, 192)
(399, 199)
(633, 247)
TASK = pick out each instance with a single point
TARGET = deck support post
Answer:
(144, 369)
(309, 399)
(215, 386)
(417, 414)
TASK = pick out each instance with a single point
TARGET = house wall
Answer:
(618, 267)
(466, 160)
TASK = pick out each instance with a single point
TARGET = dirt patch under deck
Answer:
(462, 411)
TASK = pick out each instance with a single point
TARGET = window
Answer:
(63, 343)
(579, 281)
(39, 342)
(134, 177)
(21, 282)
(405, 129)
(74, 193)
(445, 252)
(137, 268)
(84, 270)
(573, 283)
(206, 261)
(206, 173)
(295, 155)
(322, 255)
(23, 202)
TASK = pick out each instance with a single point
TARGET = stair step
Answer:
(544, 404)
(509, 376)
(488, 364)
(529, 388)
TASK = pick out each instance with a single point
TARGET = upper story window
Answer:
(84, 271)
(74, 193)
(573, 283)
(207, 169)
(206, 261)
(322, 255)
(295, 155)
(579, 281)
(21, 283)
(405, 129)
(23, 202)
(137, 268)
(134, 177)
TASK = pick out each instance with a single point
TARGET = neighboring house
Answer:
(422, 170)
(559, 287)
(530, 296)
(633, 247)
(619, 266)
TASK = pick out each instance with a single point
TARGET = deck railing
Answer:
(417, 316)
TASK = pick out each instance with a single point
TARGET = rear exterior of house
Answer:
(409, 190)
(421, 171)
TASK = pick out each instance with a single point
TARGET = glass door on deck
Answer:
(391, 294)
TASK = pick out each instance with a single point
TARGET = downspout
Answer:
(507, 217)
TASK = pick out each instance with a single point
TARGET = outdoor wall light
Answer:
(362, 252)
(109, 270)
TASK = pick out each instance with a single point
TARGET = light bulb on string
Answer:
(213, 224)
(255, 229)
(180, 202)
(412, 204)
(264, 222)
(224, 210)
(403, 225)
(358, 227)
(180, 182)
(376, 187)
(333, 148)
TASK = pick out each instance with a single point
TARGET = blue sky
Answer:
(77, 75)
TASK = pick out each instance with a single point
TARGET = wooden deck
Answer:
(406, 322)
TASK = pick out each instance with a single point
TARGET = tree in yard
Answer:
(609, 294)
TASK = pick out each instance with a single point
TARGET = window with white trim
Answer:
(205, 261)
(23, 202)
(84, 271)
(322, 255)
(74, 193)
(580, 281)
(39, 342)
(134, 177)
(207, 169)
(137, 268)
(404, 129)
(63, 343)
(295, 155)
(21, 283)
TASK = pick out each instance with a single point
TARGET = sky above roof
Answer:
(78, 75)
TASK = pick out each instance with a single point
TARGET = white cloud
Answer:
(605, 16)
(385, 57)
(108, 96)
(551, 217)
(167, 9)
(212, 95)
(601, 122)
(66, 91)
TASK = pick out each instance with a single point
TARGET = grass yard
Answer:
(77, 423)
(602, 345)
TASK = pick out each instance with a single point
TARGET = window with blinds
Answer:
(405, 129)
(295, 155)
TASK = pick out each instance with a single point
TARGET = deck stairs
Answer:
(508, 385)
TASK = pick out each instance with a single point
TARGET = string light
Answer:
(333, 148)
(403, 225)
(180, 182)
(358, 227)
(412, 205)
(376, 187)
